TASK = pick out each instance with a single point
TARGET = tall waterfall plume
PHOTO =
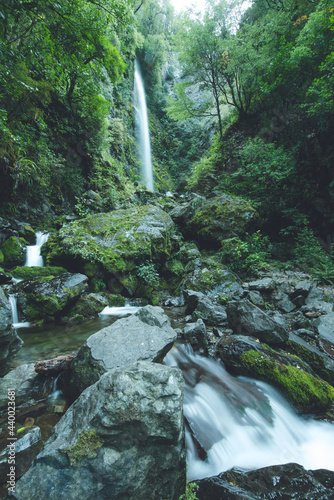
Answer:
(142, 129)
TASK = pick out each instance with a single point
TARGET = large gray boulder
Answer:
(10, 343)
(246, 319)
(144, 336)
(122, 439)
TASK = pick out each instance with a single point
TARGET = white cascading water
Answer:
(240, 422)
(34, 257)
(15, 316)
(142, 129)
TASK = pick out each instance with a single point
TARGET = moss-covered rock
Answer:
(291, 375)
(27, 232)
(31, 273)
(112, 245)
(14, 251)
(2, 258)
(306, 392)
(48, 297)
(222, 217)
(207, 274)
(88, 306)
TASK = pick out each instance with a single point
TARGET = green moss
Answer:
(85, 447)
(30, 273)
(14, 250)
(305, 391)
(2, 258)
(315, 361)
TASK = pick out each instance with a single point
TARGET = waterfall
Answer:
(15, 316)
(240, 422)
(142, 129)
(34, 257)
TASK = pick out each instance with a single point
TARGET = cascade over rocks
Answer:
(10, 343)
(144, 336)
(275, 482)
(246, 319)
(122, 438)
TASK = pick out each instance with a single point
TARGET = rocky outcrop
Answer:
(144, 336)
(275, 482)
(47, 298)
(122, 438)
(246, 319)
(10, 343)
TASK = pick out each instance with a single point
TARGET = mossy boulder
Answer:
(222, 217)
(14, 251)
(88, 306)
(112, 245)
(48, 297)
(27, 232)
(292, 376)
(31, 273)
(208, 275)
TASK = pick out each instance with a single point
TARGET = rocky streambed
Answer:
(121, 412)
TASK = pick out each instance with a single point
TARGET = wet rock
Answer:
(144, 336)
(123, 438)
(317, 306)
(275, 482)
(201, 307)
(324, 325)
(322, 364)
(290, 374)
(255, 298)
(89, 305)
(10, 343)
(286, 305)
(46, 299)
(195, 333)
(301, 288)
(262, 285)
(26, 448)
(246, 319)
(21, 379)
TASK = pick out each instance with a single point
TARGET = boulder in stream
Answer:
(275, 482)
(144, 336)
(122, 439)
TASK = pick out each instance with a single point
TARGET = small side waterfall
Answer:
(15, 316)
(34, 257)
(240, 422)
(142, 129)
